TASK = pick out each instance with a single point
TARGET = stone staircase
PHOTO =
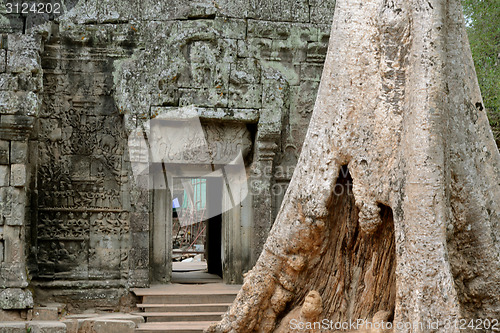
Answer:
(183, 308)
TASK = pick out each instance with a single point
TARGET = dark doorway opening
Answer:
(214, 226)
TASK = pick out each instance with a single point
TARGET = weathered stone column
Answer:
(274, 107)
(20, 84)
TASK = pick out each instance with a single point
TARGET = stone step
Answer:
(183, 289)
(174, 327)
(189, 299)
(33, 326)
(45, 313)
(188, 294)
(208, 307)
(184, 308)
(102, 323)
(155, 317)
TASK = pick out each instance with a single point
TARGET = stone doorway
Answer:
(187, 222)
(196, 228)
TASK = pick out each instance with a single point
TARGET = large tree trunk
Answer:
(398, 110)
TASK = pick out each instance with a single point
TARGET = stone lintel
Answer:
(224, 114)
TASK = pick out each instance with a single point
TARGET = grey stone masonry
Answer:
(20, 84)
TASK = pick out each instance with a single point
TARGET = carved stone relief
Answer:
(82, 224)
(183, 142)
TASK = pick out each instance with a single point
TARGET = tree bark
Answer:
(400, 127)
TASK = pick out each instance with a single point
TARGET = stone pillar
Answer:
(274, 110)
(139, 198)
(20, 84)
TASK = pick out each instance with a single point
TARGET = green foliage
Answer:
(483, 28)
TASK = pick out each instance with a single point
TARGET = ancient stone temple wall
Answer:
(81, 231)
(20, 84)
(107, 68)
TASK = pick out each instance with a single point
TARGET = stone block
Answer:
(259, 48)
(71, 325)
(139, 278)
(288, 51)
(199, 30)
(75, 323)
(303, 32)
(46, 327)
(322, 11)
(272, 118)
(13, 25)
(5, 200)
(274, 92)
(122, 316)
(1, 258)
(324, 31)
(245, 96)
(15, 299)
(45, 313)
(302, 101)
(23, 61)
(59, 306)
(21, 42)
(10, 315)
(81, 316)
(18, 121)
(168, 96)
(311, 72)
(3, 62)
(113, 326)
(113, 11)
(19, 103)
(13, 275)
(268, 29)
(4, 175)
(139, 239)
(29, 82)
(18, 152)
(290, 72)
(18, 207)
(203, 97)
(13, 327)
(8, 82)
(139, 260)
(18, 175)
(172, 10)
(281, 10)
(229, 52)
(8, 102)
(4, 152)
(316, 52)
(231, 28)
(233, 8)
(139, 222)
(245, 71)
